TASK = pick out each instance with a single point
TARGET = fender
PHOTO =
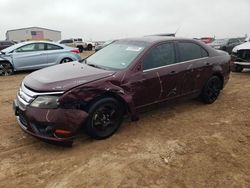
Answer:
(93, 91)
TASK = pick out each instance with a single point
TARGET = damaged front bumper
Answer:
(58, 126)
(241, 58)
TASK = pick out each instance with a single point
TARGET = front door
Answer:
(30, 56)
(157, 80)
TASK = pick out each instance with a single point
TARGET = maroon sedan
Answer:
(121, 79)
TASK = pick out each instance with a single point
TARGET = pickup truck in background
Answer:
(78, 43)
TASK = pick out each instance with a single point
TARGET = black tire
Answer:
(66, 60)
(6, 69)
(211, 90)
(89, 47)
(80, 48)
(237, 68)
(105, 117)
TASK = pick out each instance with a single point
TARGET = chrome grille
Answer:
(24, 96)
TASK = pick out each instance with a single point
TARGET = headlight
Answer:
(49, 101)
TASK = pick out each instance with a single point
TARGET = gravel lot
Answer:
(184, 145)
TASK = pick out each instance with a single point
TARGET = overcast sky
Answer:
(110, 19)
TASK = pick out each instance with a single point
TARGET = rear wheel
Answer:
(211, 90)
(105, 117)
(80, 48)
(89, 47)
(66, 60)
(6, 69)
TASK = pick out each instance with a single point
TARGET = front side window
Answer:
(32, 47)
(189, 51)
(118, 55)
(159, 56)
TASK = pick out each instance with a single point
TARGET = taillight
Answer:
(75, 51)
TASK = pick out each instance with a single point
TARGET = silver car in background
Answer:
(34, 55)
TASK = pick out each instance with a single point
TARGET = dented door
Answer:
(145, 88)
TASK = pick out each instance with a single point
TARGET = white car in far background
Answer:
(34, 55)
(241, 57)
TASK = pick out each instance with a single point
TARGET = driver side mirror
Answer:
(138, 67)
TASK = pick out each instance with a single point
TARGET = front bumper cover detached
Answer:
(57, 126)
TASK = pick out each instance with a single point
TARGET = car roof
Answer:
(152, 40)
(155, 39)
(38, 41)
(15, 46)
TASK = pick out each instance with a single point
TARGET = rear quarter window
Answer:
(53, 47)
(190, 51)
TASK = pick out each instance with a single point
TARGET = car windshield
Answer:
(219, 42)
(118, 55)
(107, 42)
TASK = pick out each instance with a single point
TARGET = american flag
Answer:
(37, 34)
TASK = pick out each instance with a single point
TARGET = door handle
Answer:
(172, 72)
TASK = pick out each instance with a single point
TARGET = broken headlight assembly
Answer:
(48, 101)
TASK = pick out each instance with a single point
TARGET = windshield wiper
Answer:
(94, 65)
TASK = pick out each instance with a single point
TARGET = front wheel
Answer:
(105, 117)
(211, 90)
(6, 69)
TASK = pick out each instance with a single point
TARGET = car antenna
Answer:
(177, 30)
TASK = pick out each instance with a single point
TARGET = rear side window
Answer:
(159, 56)
(53, 47)
(190, 51)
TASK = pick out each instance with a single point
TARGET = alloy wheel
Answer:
(6, 69)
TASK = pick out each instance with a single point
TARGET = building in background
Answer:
(33, 33)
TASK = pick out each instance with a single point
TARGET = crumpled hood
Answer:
(244, 46)
(64, 76)
(4, 57)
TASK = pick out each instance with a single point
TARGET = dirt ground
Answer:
(184, 145)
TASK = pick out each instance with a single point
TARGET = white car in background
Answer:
(34, 55)
(241, 57)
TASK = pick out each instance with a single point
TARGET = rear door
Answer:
(54, 53)
(195, 66)
(30, 56)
